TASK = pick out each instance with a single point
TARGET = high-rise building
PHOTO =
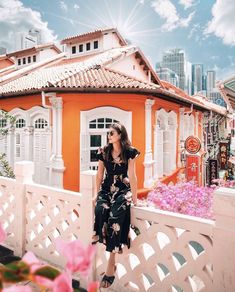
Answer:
(176, 61)
(216, 97)
(3, 51)
(168, 75)
(27, 40)
(203, 82)
(210, 82)
(197, 78)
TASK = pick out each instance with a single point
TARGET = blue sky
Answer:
(205, 29)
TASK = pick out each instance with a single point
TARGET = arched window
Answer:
(97, 138)
(94, 127)
(41, 150)
(165, 143)
(20, 139)
(3, 136)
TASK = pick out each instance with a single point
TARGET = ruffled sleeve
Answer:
(100, 154)
(133, 153)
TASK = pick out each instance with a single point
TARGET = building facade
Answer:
(64, 104)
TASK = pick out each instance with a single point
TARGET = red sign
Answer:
(223, 154)
(192, 144)
(213, 170)
(192, 168)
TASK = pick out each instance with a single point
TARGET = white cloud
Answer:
(166, 10)
(15, 19)
(222, 23)
(187, 3)
(63, 6)
(76, 6)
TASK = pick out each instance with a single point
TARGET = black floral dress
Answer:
(112, 211)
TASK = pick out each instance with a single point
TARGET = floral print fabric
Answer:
(112, 210)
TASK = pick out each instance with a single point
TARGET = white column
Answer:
(223, 256)
(158, 152)
(11, 146)
(56, 162)
(148, 157)
(233, 137)
(196, 123)
(167, 152)
(173, 146)
(24, 171)
(181, 135)
(28, 134)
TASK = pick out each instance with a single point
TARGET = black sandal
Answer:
(107, 279)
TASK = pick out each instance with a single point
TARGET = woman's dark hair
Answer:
(125, 143)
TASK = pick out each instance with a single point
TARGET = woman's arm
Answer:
(133, 179)
(99, 175)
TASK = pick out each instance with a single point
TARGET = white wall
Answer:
(46, 53)
(131, 67)
(110, 40)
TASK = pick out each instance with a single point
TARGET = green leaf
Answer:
(47, 272)
(15, 272)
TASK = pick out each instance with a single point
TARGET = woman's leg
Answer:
(108, 278)
(111, 265)
(102, 209)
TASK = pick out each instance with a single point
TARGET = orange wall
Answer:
(73, 104)
(76, 102)
(21, 102)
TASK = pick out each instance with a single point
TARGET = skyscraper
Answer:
(175, 60)
(197, 73)
(27, 40)
(3, 50)
(168, 75)
(210, 81)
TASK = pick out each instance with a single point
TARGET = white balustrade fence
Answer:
(169, 251)
(35, 215)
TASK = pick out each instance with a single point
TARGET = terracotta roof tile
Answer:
(91, 35)
(90, 78)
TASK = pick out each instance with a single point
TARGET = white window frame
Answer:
(36, 113)
(165, 143)
(125, 117)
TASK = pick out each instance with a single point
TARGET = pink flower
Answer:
(79, 258)
(63, 283)
(30, 259)
(93, 287)
(186, 198)
(17, 289)
(2, 234)
(45, 282)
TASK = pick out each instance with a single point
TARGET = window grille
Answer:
(40, 124)
(20, 123)
(3, 123)
(101, 123)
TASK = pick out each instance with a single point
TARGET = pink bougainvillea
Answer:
(185, 198)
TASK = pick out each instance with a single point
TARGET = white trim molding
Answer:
(148, 157)
(56, 167)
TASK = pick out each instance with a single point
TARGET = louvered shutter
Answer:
(85, 158)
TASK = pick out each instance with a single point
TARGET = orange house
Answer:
(65, 102)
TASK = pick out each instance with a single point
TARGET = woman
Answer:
(116, 191)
